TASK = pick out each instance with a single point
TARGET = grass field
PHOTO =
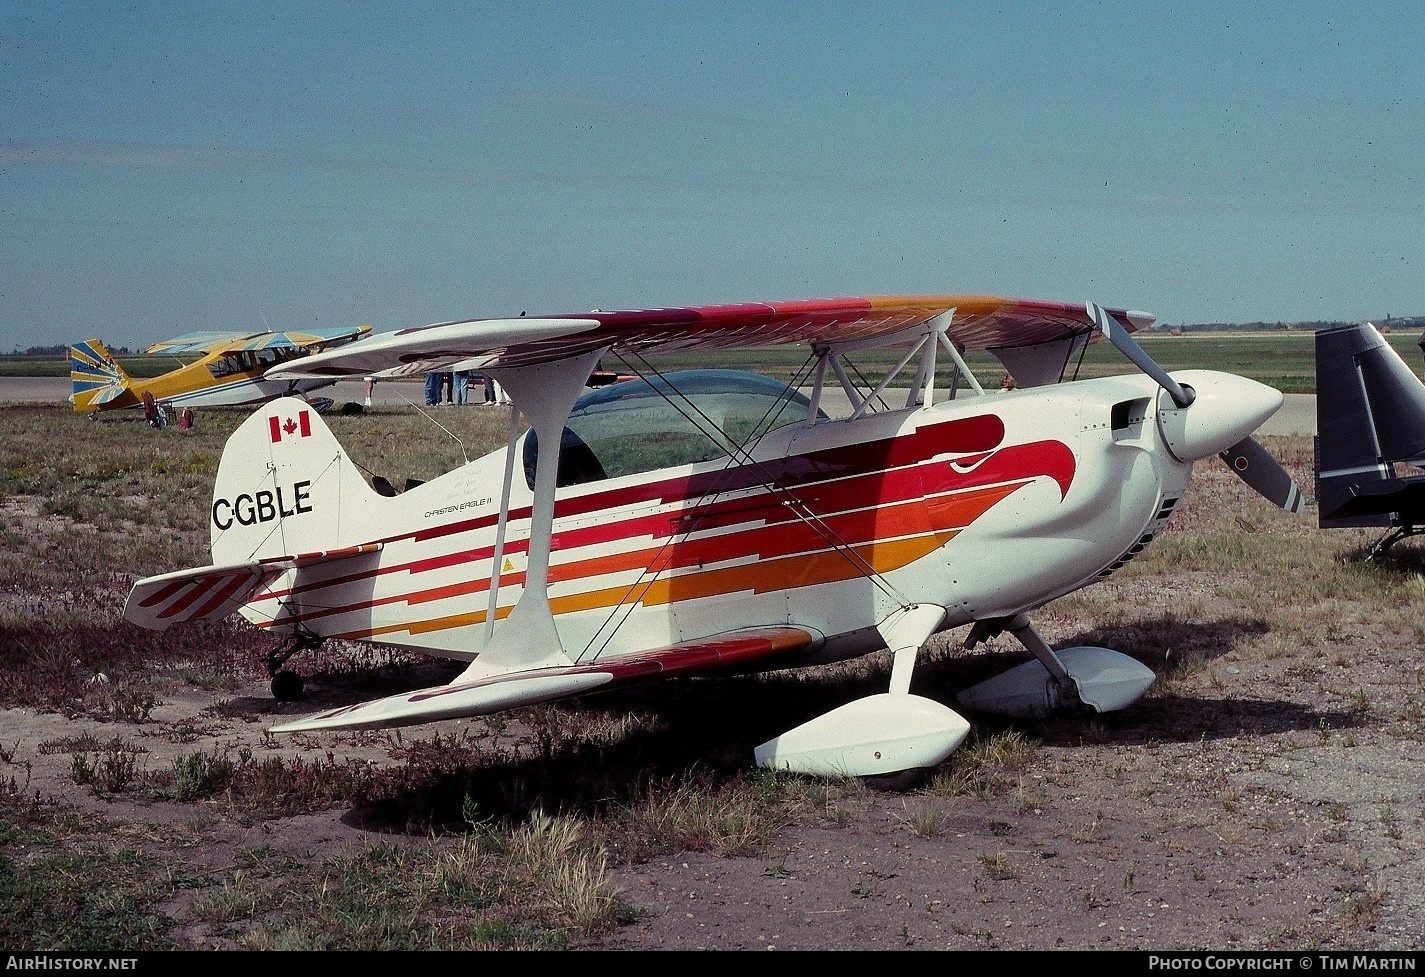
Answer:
(1281, 359)
(148, 810)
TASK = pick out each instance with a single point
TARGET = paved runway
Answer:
(1296, 416)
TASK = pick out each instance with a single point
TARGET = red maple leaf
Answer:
(289, 426)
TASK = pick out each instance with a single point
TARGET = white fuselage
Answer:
(986, 506)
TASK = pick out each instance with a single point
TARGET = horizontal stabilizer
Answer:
(211, 593)
(510, 690)
(203, 594)
(1394, 500)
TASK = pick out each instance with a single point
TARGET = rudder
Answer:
(96, 379)
(1370, 414)
(285, 487)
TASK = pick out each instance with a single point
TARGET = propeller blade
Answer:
(1255, 466)
(1128, 346)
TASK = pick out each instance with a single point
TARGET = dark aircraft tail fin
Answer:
(1370, 417)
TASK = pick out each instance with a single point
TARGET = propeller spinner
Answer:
(1233, 404)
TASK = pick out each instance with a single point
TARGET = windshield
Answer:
(691, 416)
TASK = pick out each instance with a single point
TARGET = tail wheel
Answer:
(287, 686)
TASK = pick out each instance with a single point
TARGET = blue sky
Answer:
(174, 166)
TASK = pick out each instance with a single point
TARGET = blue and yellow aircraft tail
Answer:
(97, 381)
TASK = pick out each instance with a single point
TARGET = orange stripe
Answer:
(960, 510)
(903, 519)
(761, 577)
(828, 566)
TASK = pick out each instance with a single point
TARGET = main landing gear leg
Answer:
(288, 686)
(1039, 648)
(1064, 692)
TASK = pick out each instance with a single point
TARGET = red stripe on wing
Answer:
(706, 656)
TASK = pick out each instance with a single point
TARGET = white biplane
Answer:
(714, 522)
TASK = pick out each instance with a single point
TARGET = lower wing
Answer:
(490, 694)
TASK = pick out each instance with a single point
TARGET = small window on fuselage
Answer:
(232, 363)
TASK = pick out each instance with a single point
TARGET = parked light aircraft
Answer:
(226, 369)
(1370, 433)
(711, 522)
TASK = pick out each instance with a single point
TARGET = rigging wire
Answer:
(737, 454)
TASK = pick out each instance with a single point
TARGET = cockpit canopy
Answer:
(679, 419)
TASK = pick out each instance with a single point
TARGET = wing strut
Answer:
(942, 326)
(925, 337)
(545, 394)
(499, 555)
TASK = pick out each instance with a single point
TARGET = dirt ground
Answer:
(1239, 812)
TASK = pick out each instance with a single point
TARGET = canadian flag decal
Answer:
(286, 427)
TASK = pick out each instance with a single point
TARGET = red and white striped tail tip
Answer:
(208, 593)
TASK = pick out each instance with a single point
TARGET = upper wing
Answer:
(215, 341)
(202, 341)
(978, 322)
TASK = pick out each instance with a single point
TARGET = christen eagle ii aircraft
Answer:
(227, 368)
(714, 521)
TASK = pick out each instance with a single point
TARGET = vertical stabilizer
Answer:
(285, 487)
(1370, 414)
(96, 379)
